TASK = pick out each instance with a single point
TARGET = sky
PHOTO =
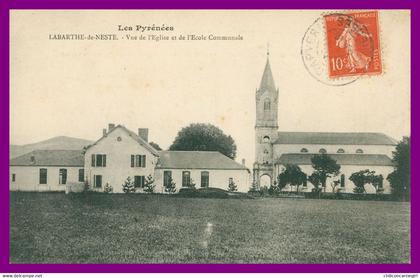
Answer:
(75, 88)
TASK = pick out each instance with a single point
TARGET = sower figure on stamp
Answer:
(347, 39)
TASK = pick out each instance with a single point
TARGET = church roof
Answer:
(267, 81)
(70, 158)
(197, 160)
(334, 138)
(342, 159)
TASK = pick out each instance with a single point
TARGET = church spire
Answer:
(267, 81)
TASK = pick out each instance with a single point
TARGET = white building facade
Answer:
(46, 170)
(121, 153)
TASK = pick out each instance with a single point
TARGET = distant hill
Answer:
(55, 143)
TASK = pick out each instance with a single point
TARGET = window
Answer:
(322, 151)
(304, 150)
(359, 151)
(342, 180)
(42, 176)
(267, 104)
(13, 177)
(97, 181)
(381, 182)
(230, 180)
(62, 176)
(340, 151)
(266, 139)
(138, 160)
(138, 181)
(98, 160)
(186, 178)
(204, 179)
(167, 178)
(81, 175)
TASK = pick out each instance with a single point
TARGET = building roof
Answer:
(267, 80)
(334, 138)
(133, 135)
(71, 158)
(197, 160)
(342, 159)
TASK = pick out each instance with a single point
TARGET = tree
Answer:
(170, 187)
(325, 167)
(377, 182)
(399, 179)
(155, 146)
(232, 187)
(334, 185)
(204, 137)
(128, 186)
(292, 175)
(191, 184)
(360, 179)
(108, 188)
(149, 184)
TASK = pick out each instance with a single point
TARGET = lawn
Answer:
(137, 228)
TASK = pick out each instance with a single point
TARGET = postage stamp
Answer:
(353, 44)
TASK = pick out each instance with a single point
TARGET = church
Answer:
(274, 149)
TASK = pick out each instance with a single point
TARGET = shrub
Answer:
(108, 188)
(128, 186)
(170, 187)
(232, 187)
(86, 186)
(149, 185)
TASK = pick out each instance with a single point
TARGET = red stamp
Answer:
(353, 44)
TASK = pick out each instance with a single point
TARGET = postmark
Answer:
(353, 44)
(319, 48)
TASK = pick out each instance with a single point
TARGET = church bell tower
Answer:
(266, 127)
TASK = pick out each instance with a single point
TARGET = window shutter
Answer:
(93, 160)
(143, 164)
(104, 160)
(132, 160)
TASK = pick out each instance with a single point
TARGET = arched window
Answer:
(186, 178)
(342, 180)
(266, 139)
(204, 179)
(267, 104)
(322, 151)
(304, 150)
(340, 151)
(359, 151)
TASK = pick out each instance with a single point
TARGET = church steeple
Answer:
(267, 81)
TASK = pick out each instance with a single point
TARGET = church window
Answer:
(340, 151)
(322, 151)
(304, 150)
(359, 151)
(266, 139)
(267, 104)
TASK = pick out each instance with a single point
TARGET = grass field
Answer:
(117, 228)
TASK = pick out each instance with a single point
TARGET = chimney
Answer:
(110, 127)
(243, 161)
(144, 134)
(104, 132)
